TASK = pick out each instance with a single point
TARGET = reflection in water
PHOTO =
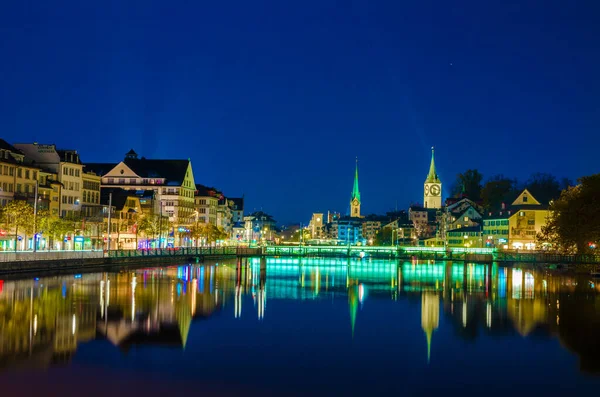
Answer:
(43, 321)
(430, 316)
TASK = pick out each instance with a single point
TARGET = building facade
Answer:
(172, 182)
(225, 216)
(350, 231)
(68, 168)
(467, 237)
(238, 209)
(206, 204)
(126, 210)
(432, 197)
(527, 219)
(316, 226)
(496, 229)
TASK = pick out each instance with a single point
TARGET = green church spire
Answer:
(355, 191)
(432, 177)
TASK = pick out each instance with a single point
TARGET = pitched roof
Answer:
(238, 203)
(173, 171)
(7, 146)
(99, 168)
(119, 197)
(206, 191)
(504, 214)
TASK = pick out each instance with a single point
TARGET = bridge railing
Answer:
(185, 251)
(30, 256)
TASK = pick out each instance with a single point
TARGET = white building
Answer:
(171, 180)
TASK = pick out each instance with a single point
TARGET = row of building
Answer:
(68, 188)
(456, 222)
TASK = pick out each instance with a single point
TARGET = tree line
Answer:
(499, 189)
(573, 224)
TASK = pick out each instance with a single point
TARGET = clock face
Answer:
(355, 202)
(435, 190)
(426, 190)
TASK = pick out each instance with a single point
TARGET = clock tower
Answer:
(355, 199)
(432, 197)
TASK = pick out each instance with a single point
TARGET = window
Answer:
(64, 199)
(111, 181)
(18, 188)
(466, 219)
(26, 174)
(71, 171)
(34, 174)
(76, 172)
(121, 181)
(531, 221)
(522, 213)
(524, 199)
(19, 173)
(65, 172)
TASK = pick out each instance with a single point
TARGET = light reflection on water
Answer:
(45, 321)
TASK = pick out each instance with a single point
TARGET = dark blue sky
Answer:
(276, 99)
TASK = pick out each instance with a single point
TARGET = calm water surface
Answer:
(310, 327)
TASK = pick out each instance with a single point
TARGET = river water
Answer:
(302, 327)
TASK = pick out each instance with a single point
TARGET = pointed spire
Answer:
(428, 333)
(355, 191)
(432, 177)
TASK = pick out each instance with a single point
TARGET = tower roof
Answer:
(355, 191)
(432, 177)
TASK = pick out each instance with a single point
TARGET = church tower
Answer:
(355, 199)
(433, 188)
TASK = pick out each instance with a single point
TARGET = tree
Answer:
(152, 226)
(469, 184)
(197, 231)
(384, 236)
(18, 214)
(574, 220)
(55, 228)
(214, 233)
(544, 187)
(497, 190)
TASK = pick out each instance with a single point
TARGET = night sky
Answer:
(275, 100)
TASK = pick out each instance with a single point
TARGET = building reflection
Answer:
(42, 322)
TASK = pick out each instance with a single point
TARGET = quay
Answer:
(53, 261)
